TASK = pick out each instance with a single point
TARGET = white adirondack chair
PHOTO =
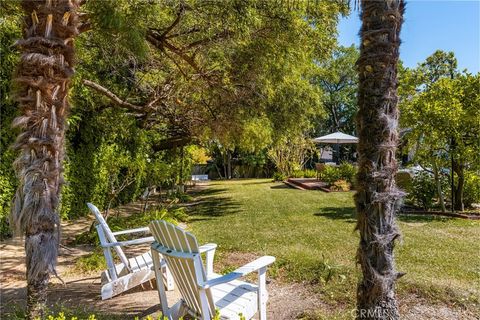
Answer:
(130, 272)
(203, 292)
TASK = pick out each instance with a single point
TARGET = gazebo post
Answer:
(337, 152)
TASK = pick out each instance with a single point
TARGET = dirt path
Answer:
(287, 301)
(82, 290)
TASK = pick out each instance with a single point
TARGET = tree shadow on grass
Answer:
(349, 215)
(206, 192)
(281, 186)
(421, 218)
(263, 181)
(210, 203)
(335, 213)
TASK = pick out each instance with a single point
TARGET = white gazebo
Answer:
(336, 139)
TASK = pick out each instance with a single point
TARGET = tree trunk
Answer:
(229, 164)
(225, 171)
(182, 156)
(458, 168)
(438, 183)
(377, 195)
(43, 77)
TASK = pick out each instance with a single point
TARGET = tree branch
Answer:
(175, 22)
(113, 97)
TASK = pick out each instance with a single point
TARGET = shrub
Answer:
(347, 172)
(278, 176)
(7, 191)
(179, 196)
(340, 185)
(330, 174)
(423, 190)
(309, 173)
(471, 191)
(297, 174)
(404, 180)
(173, 216)
(62, 316)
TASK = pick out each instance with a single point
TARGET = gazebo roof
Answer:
(337, 137)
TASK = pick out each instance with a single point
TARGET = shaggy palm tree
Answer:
(377, 195)
(42, 79)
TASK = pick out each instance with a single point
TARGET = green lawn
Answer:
(312, 235)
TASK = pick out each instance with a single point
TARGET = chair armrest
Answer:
(145, 229)
(209, 250)
(255, 265)
(207, 247)
(129, 242)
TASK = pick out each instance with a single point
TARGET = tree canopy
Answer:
(440, 110)
(152, 77)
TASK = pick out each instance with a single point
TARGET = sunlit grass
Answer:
(312, 235)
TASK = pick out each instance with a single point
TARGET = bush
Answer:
(347, 172)
(404, 180)
(62, 316)
(330, 174)
(471, 191)
(309, 173)
(278, 176)
(298, 174)
(340, 185)
(423, 190)
(179, 196)
(7, 191)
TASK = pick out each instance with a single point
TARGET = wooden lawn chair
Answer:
(131, 272)
(204, 292)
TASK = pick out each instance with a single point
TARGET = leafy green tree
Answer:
(289, 154)
(438, 107)
(439, 65)
(338, 79)
(212, 67)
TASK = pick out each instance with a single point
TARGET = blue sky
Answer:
(430, 25)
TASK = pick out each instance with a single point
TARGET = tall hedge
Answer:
(9, 32)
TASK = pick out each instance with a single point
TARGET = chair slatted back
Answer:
(109, 234)
(187, 271)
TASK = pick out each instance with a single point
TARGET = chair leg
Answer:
(177, 311)
(262, 294)
(160, 283)
(204, 305)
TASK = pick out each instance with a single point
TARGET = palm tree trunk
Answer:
(43, 77)
(377, 195)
